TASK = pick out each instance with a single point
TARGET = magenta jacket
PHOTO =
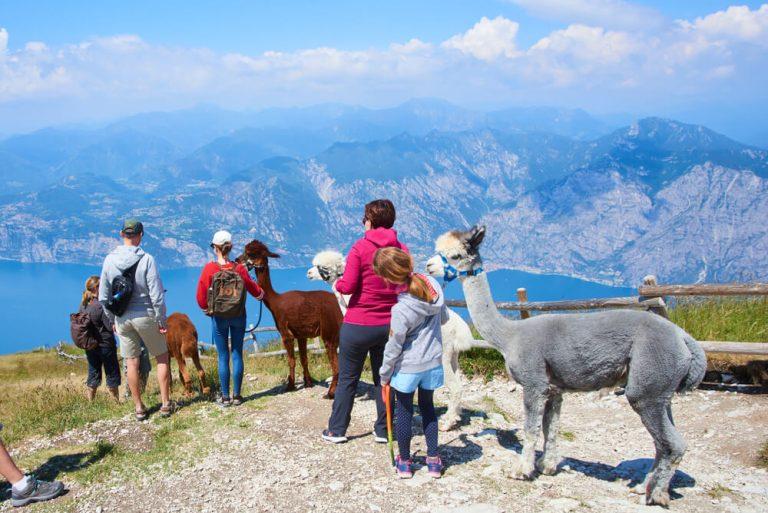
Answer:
(372, 298)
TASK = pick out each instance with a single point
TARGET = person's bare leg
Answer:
(8, 468)
(163, 378)
(134, 383)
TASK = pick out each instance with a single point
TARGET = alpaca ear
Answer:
(474, 237)
(273, 255)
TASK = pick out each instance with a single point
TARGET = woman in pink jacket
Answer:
(366, 324)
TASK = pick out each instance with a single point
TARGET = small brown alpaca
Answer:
(299, 315)
(182, 344)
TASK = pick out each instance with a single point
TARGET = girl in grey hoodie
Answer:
(413, 354)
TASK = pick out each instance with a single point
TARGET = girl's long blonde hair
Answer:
(91, 291)
(396, 266)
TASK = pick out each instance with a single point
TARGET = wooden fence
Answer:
(650, 298)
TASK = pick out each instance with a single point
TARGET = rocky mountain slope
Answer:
(657, 197)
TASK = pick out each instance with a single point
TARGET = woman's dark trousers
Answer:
(356, 342)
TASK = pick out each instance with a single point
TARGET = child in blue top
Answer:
(413, 354)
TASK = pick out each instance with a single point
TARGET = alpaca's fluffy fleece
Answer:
(333, 263)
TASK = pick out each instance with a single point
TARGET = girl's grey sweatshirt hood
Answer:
(415, 339)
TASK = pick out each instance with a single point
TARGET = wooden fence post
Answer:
(522, 297)
(650, 281)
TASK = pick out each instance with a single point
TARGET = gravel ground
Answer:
(279, 463)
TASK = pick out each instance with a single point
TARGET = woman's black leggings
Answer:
(404, 412)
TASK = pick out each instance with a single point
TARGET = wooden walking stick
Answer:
(385, 391)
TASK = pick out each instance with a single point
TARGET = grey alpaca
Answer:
(552, 354)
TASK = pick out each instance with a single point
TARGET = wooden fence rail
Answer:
(714, 289)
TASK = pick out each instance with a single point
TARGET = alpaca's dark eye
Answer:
(454, 256)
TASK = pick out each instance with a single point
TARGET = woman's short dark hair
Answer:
(381, 213)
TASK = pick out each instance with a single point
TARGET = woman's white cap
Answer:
(221, 237)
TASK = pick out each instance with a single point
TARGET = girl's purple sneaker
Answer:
(434, 467)
(403, 468)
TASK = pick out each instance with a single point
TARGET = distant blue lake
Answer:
(36, 299)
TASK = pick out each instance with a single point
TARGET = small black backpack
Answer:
(121, 290)
(84, 333)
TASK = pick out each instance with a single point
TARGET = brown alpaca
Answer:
(182, 344)
(299, 315)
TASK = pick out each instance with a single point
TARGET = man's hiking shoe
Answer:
(403, 468)
(333, 438)
(380, 439)
(37, 491)
(237, 400)
(434, 467)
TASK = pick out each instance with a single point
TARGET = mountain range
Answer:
(560, 191)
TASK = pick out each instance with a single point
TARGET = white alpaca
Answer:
(328, 266)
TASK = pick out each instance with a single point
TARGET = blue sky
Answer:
(702, 60)
(258, 26)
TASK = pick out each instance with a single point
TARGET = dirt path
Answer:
(276, 461)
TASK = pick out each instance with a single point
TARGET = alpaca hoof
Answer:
(290, 387)
(308, 384)
(658, 498)
(523, 472)
(639, 489)
(547, 466)
(188, 394)
(207, 391)
(449, 423)
(329, 395)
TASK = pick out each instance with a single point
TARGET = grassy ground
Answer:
(43, 395)
(743, 320)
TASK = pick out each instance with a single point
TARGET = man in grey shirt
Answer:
(144, 318)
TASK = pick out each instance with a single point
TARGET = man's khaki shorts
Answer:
(133, 330)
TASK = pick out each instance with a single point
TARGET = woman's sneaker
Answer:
(330, 436)
(435, 467)
(379, 438)
(403, 468)
(36, 491)
(224, 402)
(237, 400)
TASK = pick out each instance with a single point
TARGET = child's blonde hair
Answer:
(396, 266)
(91, 290)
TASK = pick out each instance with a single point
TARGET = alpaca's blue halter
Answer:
(450, 273)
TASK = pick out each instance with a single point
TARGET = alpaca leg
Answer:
(184, 375)
(453, 381)
(204, 388)
(331, 345)
(308, 381)
(641, 488)
(670, 448)
(549, 460)
(534, 402)
(291, 382)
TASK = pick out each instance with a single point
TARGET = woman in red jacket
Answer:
(366, 324)
(227, 329)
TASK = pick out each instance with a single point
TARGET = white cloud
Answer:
(737, 23)
(487, 40)
(585, 43)
(3, 39)
(606, 13)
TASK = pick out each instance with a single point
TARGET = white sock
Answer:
(21, 485)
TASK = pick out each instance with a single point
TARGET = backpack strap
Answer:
(130, 273)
